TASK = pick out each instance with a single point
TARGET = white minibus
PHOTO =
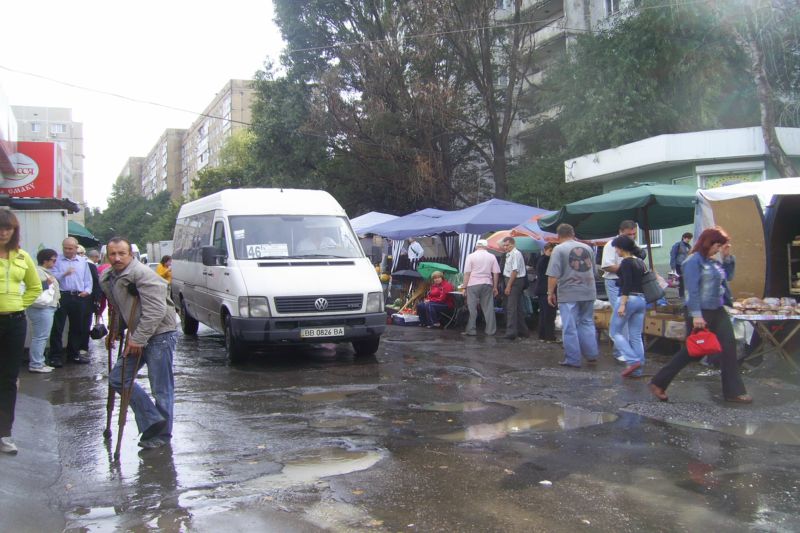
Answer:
(274, 266)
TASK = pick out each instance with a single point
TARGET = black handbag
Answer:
(99, 330)
(650, 287)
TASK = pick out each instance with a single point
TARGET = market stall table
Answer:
(769, 343)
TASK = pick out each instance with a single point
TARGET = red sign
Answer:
(42, 172)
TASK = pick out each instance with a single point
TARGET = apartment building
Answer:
(161, 169)
(229, 111)
(133, 169)
(55, 125)
(555, 25)
(8, 137)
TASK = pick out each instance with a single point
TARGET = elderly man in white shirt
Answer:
(515, 274)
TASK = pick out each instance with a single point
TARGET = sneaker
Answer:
(83, 353)
(81, 360)
(7, 445)
(56, 362)
(151, 444)
(40, 369)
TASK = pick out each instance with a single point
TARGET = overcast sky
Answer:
(173, 52)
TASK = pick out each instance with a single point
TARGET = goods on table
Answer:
(767, 306)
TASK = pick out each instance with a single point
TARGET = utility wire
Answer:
(117, 95)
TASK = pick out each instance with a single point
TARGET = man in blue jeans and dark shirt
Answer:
(571, 270)
(141, 298)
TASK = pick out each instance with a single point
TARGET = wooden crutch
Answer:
(125, 394)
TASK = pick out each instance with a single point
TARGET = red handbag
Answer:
(702, 342)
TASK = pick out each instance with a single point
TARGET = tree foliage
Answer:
(395, 98)
(132, 216)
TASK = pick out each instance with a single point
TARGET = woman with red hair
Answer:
(706, 292)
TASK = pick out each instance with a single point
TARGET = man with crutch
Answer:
(143, 305)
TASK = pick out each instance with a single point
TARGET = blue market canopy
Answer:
(492, 215)
(365, 221)
(406, 226)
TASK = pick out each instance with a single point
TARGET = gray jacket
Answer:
(155, 313)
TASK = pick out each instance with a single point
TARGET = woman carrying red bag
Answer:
(706, 290)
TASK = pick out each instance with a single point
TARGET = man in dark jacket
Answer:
(93, 257)
(677, 255)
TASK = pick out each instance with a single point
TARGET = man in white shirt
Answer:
(514, 274)
(415, 252)
(610, 264)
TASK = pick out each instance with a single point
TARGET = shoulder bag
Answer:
(650, 287)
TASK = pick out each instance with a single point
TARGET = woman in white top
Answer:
(41, 312)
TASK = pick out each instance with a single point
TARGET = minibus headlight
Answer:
(253, 307)
(375, 302)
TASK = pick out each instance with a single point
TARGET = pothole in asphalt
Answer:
(774, 432)
(310, 465)
(536, 416)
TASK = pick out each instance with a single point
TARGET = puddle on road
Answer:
(529, 416)
(462, 407)
(312, 465)
(339, 422)
(331, 395)
(774, 432)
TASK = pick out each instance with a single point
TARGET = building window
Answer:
(36, 127)
(655, 238)
(58, 128)
(612, 6)
(688, 180)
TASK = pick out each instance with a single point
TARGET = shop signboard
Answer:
(42, 171)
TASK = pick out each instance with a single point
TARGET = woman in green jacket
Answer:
(17, 270)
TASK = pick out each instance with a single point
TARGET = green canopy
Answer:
(426, 268)
(652, 206)
(83, 235)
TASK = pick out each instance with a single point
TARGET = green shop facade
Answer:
(704, 159)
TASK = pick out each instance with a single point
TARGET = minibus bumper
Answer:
(310, 329)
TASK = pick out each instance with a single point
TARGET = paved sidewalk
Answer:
(28, 491)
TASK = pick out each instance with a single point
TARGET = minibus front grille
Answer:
(287, 305)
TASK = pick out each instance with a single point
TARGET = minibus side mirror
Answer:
(211, 256)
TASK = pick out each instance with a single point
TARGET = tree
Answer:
(236, 168)
(760, 27)
(402, 100)
(655, 71)
(497, 58)
(132, 216)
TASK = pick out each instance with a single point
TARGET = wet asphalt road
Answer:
(437, 432)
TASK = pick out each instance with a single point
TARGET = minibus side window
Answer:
(220, 242)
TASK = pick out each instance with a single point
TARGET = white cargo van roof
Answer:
(266, 201)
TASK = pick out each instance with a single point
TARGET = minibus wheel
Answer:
(236, 353)
(367, 346)
(189, 324)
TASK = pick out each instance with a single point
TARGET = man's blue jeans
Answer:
(630, 346)
(157, 355)
(41, 324)
(613, 298)
(577, 331)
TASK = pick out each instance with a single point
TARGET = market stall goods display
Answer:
(786, 306)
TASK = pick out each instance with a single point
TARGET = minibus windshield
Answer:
(292, 237)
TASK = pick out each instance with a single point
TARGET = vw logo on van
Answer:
(321, 304)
